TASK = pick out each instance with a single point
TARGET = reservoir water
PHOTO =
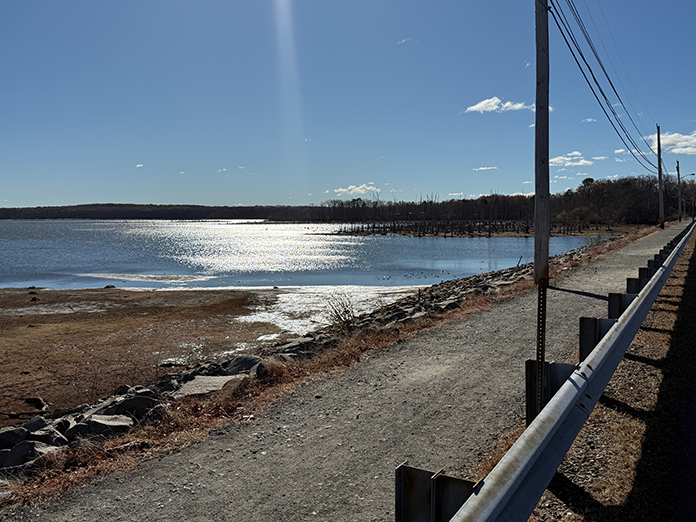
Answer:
(209, 254)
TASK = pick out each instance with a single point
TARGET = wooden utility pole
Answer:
(659, 179)
(541, 194)
(679, 187)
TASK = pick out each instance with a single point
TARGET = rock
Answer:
(122, 390)
(136, 406)
(4, 453)
(26, 451)
(101, 424)
(241, 363)
(449, 304)
(259, 372)
(203, 385)
(11, 436)
(295, 346)
(155, 414)
(78, 429)
(209, 369)
(48, 435)
(167, 384)
(233, 388)
(35, 423)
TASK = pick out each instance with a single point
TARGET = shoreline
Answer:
(71, 346)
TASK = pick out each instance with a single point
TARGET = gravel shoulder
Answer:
(328, 451)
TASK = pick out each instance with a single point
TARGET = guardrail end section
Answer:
(424, 496)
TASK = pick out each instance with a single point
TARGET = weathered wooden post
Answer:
(659, 179)
(542, 218)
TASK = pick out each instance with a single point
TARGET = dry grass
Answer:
(190, 420)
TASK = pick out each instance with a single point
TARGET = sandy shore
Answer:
(70, 347)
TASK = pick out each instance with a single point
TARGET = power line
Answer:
(599, 3)
(588, 39)
(575, 50)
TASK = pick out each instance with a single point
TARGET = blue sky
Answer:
(263, 102)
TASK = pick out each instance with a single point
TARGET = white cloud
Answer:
(409, 39)
(485, 168)
(139, 165)
(599, 158)
(495, 104)
(620, 151)
(356, 189)
(240, 167)
(588, 120)
(527, 182)
(676, 143)
(456, 194)
(572, 159)
(620, 160)
(581, 174)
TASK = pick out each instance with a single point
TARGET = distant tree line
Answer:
(632, 200)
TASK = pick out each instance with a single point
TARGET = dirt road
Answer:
(328, 451)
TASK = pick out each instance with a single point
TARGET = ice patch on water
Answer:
(299, 310)
(269, 337)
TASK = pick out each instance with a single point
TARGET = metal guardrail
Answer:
(512, 489)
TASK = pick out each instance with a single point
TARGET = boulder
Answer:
(136, 405)
(241, 364)
(233, 388)
(4, 453)
(48, 435)
(203, 385)
(26, 451)
(103, 424)
(99, 425)
(259, 372)
(11, 436)
(35, 423)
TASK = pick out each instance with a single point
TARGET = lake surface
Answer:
(207, 254)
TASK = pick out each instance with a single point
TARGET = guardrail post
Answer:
(645, 273)
(592, 331)
(588, 336)
(618, 303)
(424, 496)
(635, 284)
(532, 391)
(554, 375)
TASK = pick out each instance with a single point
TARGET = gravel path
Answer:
(329, 450)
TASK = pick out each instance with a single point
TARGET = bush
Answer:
(341, 311)
(593, 239)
